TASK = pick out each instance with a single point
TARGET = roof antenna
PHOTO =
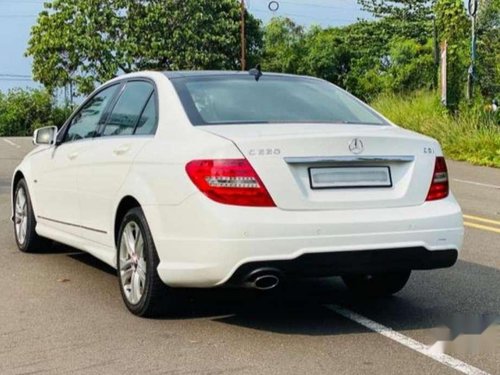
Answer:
(257, 72)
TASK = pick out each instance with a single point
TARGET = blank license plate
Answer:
(349, 177)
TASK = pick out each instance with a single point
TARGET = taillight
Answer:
(229, 181)
(439, 186)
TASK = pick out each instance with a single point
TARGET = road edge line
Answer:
(481, 219)
(8, 141)
(477, 183)
(482, 227)
(410, 343)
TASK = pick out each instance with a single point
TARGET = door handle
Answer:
(121, 150)
(72, 156)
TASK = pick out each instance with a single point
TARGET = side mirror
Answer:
(45, 136)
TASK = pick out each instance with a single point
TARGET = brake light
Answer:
(439, 186)
(229, 181)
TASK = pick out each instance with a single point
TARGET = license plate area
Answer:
(350, 177)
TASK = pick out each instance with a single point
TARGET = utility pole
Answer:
(436, 53)
(473, 5)
(243, 37)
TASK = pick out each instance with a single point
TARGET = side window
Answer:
(86, 122)
(147, 123)
(128, 109)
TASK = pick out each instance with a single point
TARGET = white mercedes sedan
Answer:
(243, 179)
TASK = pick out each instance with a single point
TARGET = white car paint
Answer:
(200, 242)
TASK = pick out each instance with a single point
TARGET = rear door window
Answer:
(147, 123)
(129, 108)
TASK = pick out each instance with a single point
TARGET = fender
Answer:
(24, 169)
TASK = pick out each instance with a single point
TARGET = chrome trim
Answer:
(72, 225)
(348, 159)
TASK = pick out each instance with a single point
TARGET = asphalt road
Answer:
(61, 312)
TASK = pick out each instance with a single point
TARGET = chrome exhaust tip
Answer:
(266, 282)
(263, 279)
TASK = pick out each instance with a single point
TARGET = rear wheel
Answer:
(27, 239)
(377, 285)
(142, 290)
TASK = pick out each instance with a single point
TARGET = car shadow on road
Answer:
(56, 248)
(430, 300)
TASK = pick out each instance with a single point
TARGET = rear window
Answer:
(240, 99)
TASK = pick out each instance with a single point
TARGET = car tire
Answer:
(377, 285)
(28, 241)
(142, 290)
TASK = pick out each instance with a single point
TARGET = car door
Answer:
(54, 169)
(104, 167)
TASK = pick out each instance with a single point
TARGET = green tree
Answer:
(369, 42)
(89, 41)
(411, 66)
(453, 27)
(405, 10)
(410, 18)
(283, 45)
(367, 57)
(23, 111)
(326, 55)
(488, 48)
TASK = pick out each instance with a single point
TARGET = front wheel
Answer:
(142, 290)
(27, 239)
(378, 284)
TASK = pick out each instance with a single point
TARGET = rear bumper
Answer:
(201, 243)
(351, 262)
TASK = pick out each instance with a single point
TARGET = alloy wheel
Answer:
(132, 262)
(21, 215)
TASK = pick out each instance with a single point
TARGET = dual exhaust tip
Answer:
(263, 279)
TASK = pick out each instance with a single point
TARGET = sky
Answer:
(17, 17)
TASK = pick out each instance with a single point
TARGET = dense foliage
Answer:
(454, 28)
(488, 48)
(408, 10)
(89, 41)
(366, 58)
(86, 42)
(398, 52)
(392, 60)
(472, 135)
(23, 111)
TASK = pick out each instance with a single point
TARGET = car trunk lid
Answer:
(288, 157)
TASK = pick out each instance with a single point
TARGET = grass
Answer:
(472, 135)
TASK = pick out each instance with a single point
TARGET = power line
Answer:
(312, 5)
(9, 2)
(18, 16)
(343, 19)
(16, 79)
(8, 75)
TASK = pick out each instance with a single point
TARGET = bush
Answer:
(471, 135)
(23, 111)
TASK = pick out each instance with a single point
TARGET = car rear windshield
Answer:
(241, 99)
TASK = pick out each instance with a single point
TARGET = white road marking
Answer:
(426, 350)
(477, 183)
(11, 143)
